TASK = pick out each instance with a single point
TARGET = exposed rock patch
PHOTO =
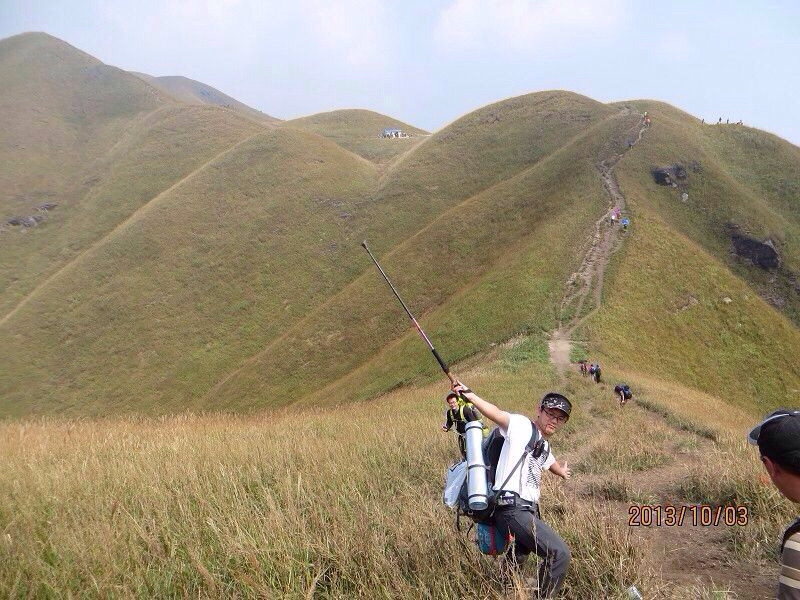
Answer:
(27, 221)
(31, 220)
(670, 175)
(762, 254)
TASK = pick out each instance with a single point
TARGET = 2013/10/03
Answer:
(671, 515)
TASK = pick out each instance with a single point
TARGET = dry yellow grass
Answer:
(330, 503)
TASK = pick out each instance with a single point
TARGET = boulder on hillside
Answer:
(668, 175)
(27, 221)
(763, 254)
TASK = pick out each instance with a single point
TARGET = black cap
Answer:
(778, 435)
(554, 400)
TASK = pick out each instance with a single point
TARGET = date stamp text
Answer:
(676, 515)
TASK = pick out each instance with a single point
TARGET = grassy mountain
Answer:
(359, 131)
(60, 109)
(199, 259)
(202, 260)
(195, 92)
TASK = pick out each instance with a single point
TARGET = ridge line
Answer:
(131, 218)
(252, 358)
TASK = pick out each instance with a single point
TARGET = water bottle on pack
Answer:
(477, 486)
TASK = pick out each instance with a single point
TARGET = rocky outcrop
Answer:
(762, 254)
(670, 175)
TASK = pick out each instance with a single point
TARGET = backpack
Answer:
(492, 446)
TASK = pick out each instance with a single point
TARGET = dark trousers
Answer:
(531, 534)
(462, 444)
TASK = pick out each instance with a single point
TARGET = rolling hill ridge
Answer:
(201, 259)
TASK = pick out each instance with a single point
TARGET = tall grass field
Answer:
(345, 502)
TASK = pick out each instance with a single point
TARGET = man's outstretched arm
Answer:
(488, 410)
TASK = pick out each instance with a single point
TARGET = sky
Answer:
(428, 62)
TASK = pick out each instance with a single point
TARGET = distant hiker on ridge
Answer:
(584, 368)
(517, 509)
(594, 371)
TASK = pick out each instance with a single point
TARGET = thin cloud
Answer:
(347, 33)
(353, 29)
(524, 25)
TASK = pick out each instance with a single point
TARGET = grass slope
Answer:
(203, 270)
(457, 248)
(359, 131)
(60, 109)
(743, 177)
(167, 145)
(182, 303)
(195, 92)
(675, 322)
(222, 505)
(232, 277)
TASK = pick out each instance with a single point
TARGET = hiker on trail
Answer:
(459, 414)
(595, 371)
(584, 368)
(624, 392)
(517, 509)
(625, 222)
(778, 439)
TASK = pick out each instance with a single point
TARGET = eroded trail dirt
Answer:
(685, 558)
(587, 281)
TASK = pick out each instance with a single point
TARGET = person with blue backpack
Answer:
(623, 392)
(518, 479)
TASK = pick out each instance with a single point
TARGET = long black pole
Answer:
(441, 362)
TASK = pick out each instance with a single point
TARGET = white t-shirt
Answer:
(527, 478)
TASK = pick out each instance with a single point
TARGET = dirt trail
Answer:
(684, 557)
(587, 281)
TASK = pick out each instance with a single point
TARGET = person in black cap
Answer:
(459, 413)
(778, 439)
(521, 468)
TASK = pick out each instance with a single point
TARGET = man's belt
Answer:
(513, 500)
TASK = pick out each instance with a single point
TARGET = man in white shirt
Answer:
(525, 454)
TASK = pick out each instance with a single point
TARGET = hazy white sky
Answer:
(427, 62)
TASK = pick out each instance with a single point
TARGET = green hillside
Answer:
(200, 260)
(170, 143)
(739, 180)
(359, 131)
(195, 92)
(60, 109)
